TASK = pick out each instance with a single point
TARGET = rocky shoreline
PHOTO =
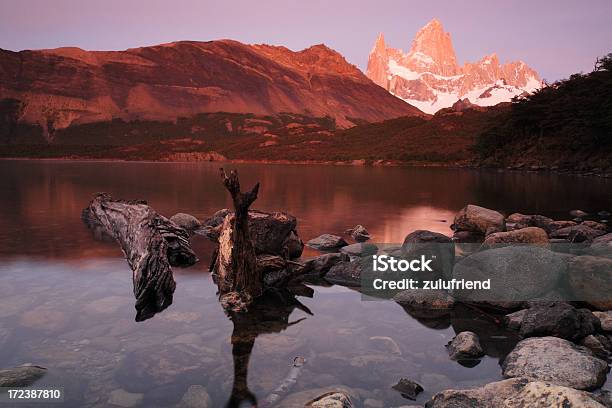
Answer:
(563, 347)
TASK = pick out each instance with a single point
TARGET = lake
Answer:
(66, 299)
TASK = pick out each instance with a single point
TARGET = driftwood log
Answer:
(239, 279)
(151, 244)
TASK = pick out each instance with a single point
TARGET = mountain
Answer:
(59, 88)
(430, 78)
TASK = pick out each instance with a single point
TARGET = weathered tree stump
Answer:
(151, 244)
(239, 279)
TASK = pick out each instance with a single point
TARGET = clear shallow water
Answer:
(66, 300)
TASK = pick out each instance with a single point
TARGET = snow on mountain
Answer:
(429, 77)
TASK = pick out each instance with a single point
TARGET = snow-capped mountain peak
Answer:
(429, 77)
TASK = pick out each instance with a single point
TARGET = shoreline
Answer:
(353, 163)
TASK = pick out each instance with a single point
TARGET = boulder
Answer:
(186, 221)
(601, 246)
(345, 274)
(359, 249)
(528, 235)
(515, 393)
(595, 225)
(578, 213)
(557, 225)
(557, 361)
(331, 400)
(318, 266)
(196, 396)
(418, 299)
(478, 219)
(465, 346)
(408, 388)
(359, 233)
(515, 320)
(22, 376)
(606, 320)
(327, 242)
(558, 319)
(272, 233)
(577, 233)
(517, 273)
(599, 345)
(432, 245)
(590, 280)
(518, 221)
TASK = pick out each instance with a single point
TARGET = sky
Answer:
(556, 38)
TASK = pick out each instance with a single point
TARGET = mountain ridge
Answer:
(67, 86)
(429, 77)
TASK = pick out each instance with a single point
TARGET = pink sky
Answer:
(557, 38)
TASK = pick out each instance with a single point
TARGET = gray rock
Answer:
(435, 246)
(595, 225)
(331, 400)
(604, 397)
(577, 233)
(590, 280)
(578, 213)
(22, 376)
(606, 320)
(465, 346)
(528, 235)
(417, 299)
(559, 320)
(326, 242)
(514, 393)
(478, 219)
(408, 388)
(320, 265)
(359, 250)
(195, 397)
(598, 344)
(601, 246)
(359, 233)
(517, 273)
(345, 274)
(122, 398)
(518, 221)
(557, 361)
(186, 221)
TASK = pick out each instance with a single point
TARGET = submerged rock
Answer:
(22, 376)
(590, 280)
(331, 400)
(122, 398)
(326, 242)
(359, 233)
(528, 235)
(465, 346)
(186, 221)
(558, 319)
(480, 220)
(418, 299)
(557, 361)
(514, 393)
(408, 388)
(195, 397)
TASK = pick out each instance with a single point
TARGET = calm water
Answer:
(66, 300)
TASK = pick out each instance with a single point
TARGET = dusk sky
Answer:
(557, 38)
